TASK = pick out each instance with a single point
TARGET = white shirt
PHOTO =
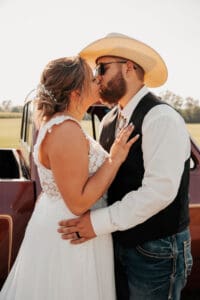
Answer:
(127, 111)
(166, 147)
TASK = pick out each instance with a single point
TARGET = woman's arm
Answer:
(65, 152)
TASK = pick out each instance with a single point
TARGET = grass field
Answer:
(10, 132)
(194, 130)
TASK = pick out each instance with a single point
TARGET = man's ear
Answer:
(130, 66)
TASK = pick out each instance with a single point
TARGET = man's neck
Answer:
(129, 95)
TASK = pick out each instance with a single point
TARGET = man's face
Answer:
(112, 85)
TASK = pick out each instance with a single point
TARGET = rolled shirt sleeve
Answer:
(166, 147)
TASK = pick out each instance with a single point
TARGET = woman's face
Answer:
(93, 90)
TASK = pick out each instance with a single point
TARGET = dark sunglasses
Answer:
(100, 69)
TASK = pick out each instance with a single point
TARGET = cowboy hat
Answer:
(120, 45)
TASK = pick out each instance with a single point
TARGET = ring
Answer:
(78, 235)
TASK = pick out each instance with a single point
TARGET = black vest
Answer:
(175, 217)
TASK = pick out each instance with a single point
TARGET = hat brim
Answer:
(122, 46)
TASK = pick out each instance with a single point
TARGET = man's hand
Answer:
(71, 229)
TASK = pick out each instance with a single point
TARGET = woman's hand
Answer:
(121, 146)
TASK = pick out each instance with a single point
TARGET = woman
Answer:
(74, 172)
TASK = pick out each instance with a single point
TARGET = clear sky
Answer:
(32, 32)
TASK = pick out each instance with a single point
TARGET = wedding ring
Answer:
(78, 235)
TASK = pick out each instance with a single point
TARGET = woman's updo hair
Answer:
(59, 78)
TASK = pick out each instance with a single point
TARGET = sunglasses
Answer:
(100, 69)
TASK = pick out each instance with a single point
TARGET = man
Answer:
(148, 200)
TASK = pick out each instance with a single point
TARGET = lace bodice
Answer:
(97, 156)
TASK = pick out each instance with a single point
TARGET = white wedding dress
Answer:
(49, 268)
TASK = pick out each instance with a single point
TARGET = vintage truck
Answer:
(19, 188)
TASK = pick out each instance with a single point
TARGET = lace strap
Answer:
(47, 128)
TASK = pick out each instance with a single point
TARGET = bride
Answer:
(75, 172)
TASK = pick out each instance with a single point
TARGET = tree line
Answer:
(6, 106)
(188, 107)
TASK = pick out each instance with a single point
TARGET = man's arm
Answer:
(165, 147)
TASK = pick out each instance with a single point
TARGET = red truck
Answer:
(19, 188)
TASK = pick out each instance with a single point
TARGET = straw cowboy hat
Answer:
(120, 45)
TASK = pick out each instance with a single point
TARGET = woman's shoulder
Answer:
(60, 120)
(61, 129)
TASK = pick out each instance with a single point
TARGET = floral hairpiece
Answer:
(41, 88)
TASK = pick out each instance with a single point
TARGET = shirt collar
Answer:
(131, 105)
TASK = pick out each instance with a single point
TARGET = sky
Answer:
(33, 32)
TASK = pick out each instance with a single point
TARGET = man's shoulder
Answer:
(164, 112)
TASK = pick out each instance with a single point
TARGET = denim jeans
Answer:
(155, 270)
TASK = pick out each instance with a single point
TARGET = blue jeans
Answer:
(155, 270)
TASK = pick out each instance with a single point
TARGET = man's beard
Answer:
(115, 89)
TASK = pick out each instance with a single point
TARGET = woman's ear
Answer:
(75, 94)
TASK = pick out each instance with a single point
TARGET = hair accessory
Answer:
(42, 89)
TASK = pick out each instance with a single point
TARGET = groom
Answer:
(148, 200)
